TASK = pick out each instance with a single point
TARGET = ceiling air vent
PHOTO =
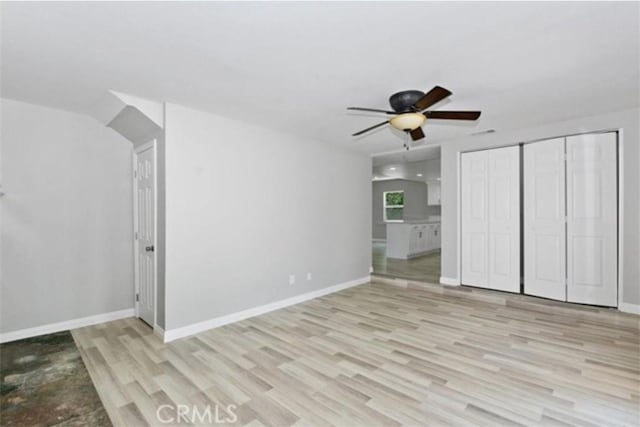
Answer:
(482, 132)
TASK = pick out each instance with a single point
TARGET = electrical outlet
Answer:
(309, 276)
(292, 279)
(371, 269)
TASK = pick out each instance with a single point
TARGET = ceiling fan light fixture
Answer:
(407, 121)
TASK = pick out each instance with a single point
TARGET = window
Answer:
(393, 206)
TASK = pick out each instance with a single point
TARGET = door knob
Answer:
(149, 248)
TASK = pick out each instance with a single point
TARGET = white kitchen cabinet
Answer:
(414, 244)
(423, 243)
(433, 193)
(432, 237)
(438, 236)
(407, 240)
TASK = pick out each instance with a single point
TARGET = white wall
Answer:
(415, 203)
(247, 206)
(66, 217)
(627, 120)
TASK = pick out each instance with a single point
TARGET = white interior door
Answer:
(504, 219)
(145, 231)
(592, 258)
(544, 219)
(474, 215)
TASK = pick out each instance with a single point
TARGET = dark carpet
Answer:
(44, 383)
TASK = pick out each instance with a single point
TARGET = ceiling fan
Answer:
(410, 111)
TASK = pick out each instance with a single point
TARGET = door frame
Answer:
(153, 145)
(620, 206)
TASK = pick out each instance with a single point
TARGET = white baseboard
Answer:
(66, 325)
(629, 308)
(449, 281)
(174, 334)
(379, 240)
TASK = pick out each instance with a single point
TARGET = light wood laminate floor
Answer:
(379, 354)
(425, 268)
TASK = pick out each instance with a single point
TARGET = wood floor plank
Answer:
(382, 355)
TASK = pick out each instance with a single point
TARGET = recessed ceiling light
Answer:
(419, 174)
(392, 169)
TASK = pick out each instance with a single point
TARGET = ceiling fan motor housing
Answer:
(403, 101)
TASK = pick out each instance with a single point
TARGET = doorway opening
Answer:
(406, 231)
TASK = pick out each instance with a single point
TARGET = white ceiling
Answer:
(411, 171)
(415, 155)
(296, 66)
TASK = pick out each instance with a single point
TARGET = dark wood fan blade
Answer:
(371, 128)
(373, 110)
(453, 115)
(434, 95)
(416, 134)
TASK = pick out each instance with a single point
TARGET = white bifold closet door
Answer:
(544, 219)
(474, 209)
(490, 215)
(592, 224)
(570, 219)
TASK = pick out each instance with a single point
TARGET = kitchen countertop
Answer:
(413, 222)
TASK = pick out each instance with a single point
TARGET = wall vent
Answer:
(482, 132)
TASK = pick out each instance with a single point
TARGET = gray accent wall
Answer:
(627, 121)
(415, 203)
(67, 232)
(247, 206)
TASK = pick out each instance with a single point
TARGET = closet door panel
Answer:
(474, 217)
(544, 219)
(592, 219)
(504, 219)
